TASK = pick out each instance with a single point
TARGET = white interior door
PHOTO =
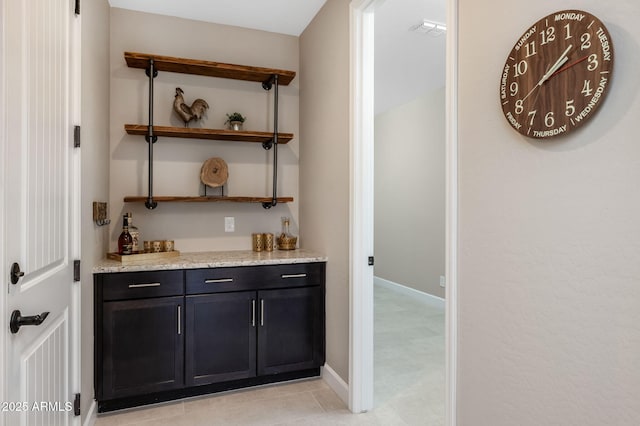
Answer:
(39, 208)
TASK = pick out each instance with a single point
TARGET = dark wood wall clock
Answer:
(557, 74)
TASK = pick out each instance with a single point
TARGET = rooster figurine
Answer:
(186, 112)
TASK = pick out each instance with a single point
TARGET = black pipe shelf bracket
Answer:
(150, 137)
(267, 85)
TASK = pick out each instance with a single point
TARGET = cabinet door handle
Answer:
(179, 319)
(285, 276)
(219, 280)
(261, 312)
(253, 312)
(144, 285)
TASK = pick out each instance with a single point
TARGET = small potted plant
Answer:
(235, 120)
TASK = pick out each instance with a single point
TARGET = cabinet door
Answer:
(143, 346)
(291, 330)
(221, 337)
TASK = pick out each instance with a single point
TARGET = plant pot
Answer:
(236, 125)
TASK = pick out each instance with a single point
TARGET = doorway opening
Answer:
(361, 395)
(409, 209)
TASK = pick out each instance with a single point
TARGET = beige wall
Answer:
(324, 164)
(549, 301)
(200, 226)
(409, 194)
(95, 170)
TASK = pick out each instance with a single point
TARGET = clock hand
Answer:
(566, 67)
(551, 71)
(561, 60)
(530, 92)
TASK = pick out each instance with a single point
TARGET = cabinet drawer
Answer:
(137, 285)
(293, 275)
(215, 280)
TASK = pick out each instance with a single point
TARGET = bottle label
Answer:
(135, 235)
(127, 248)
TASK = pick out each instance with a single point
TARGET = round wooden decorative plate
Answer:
(214, 172)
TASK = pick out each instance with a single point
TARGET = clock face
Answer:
(557, 74)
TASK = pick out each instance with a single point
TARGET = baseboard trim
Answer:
(336, 383)
(429, 299)
(92, 414)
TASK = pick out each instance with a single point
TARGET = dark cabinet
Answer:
(291, 331)
(139, 344)
(162, 335)
(233, 332)
(243, 334)
(142, 346)
(221, 337)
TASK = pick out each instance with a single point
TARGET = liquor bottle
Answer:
(125, 241)
(286, 241)
(135, 235)
(285, 228)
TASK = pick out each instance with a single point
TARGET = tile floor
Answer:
(409, 359)
(409, 383)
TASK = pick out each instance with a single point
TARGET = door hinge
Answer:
(76, 270)
(76, 405)
(77, 11)
(371, 260)
(76, 136)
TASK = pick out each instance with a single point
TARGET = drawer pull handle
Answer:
(144, 285)
(219, 280)
(285, 276)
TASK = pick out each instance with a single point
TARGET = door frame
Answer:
(75, 331)
(361, 206)
(361, 202)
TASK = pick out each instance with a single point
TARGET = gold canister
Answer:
(147, 246)
(268, 241)
(167, 245)
(156, 246)
(258, 242)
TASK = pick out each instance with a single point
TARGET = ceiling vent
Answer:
(434, 29)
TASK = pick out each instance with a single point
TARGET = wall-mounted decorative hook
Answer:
(100, 213)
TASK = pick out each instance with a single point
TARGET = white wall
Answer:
(409, 194)
(324, 164)
(94, 170)
(549, 301)
(199, 226)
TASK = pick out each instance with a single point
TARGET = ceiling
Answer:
(278, 16)
(407, 64)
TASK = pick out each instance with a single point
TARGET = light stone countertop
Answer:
(213, 259)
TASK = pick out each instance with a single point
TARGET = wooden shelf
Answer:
(213, 134)
(207, 68)
(207, 199)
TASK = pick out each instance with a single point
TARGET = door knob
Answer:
(16, 273)
(17, 320)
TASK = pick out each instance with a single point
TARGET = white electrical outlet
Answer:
(442, 280)
(229, 224)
